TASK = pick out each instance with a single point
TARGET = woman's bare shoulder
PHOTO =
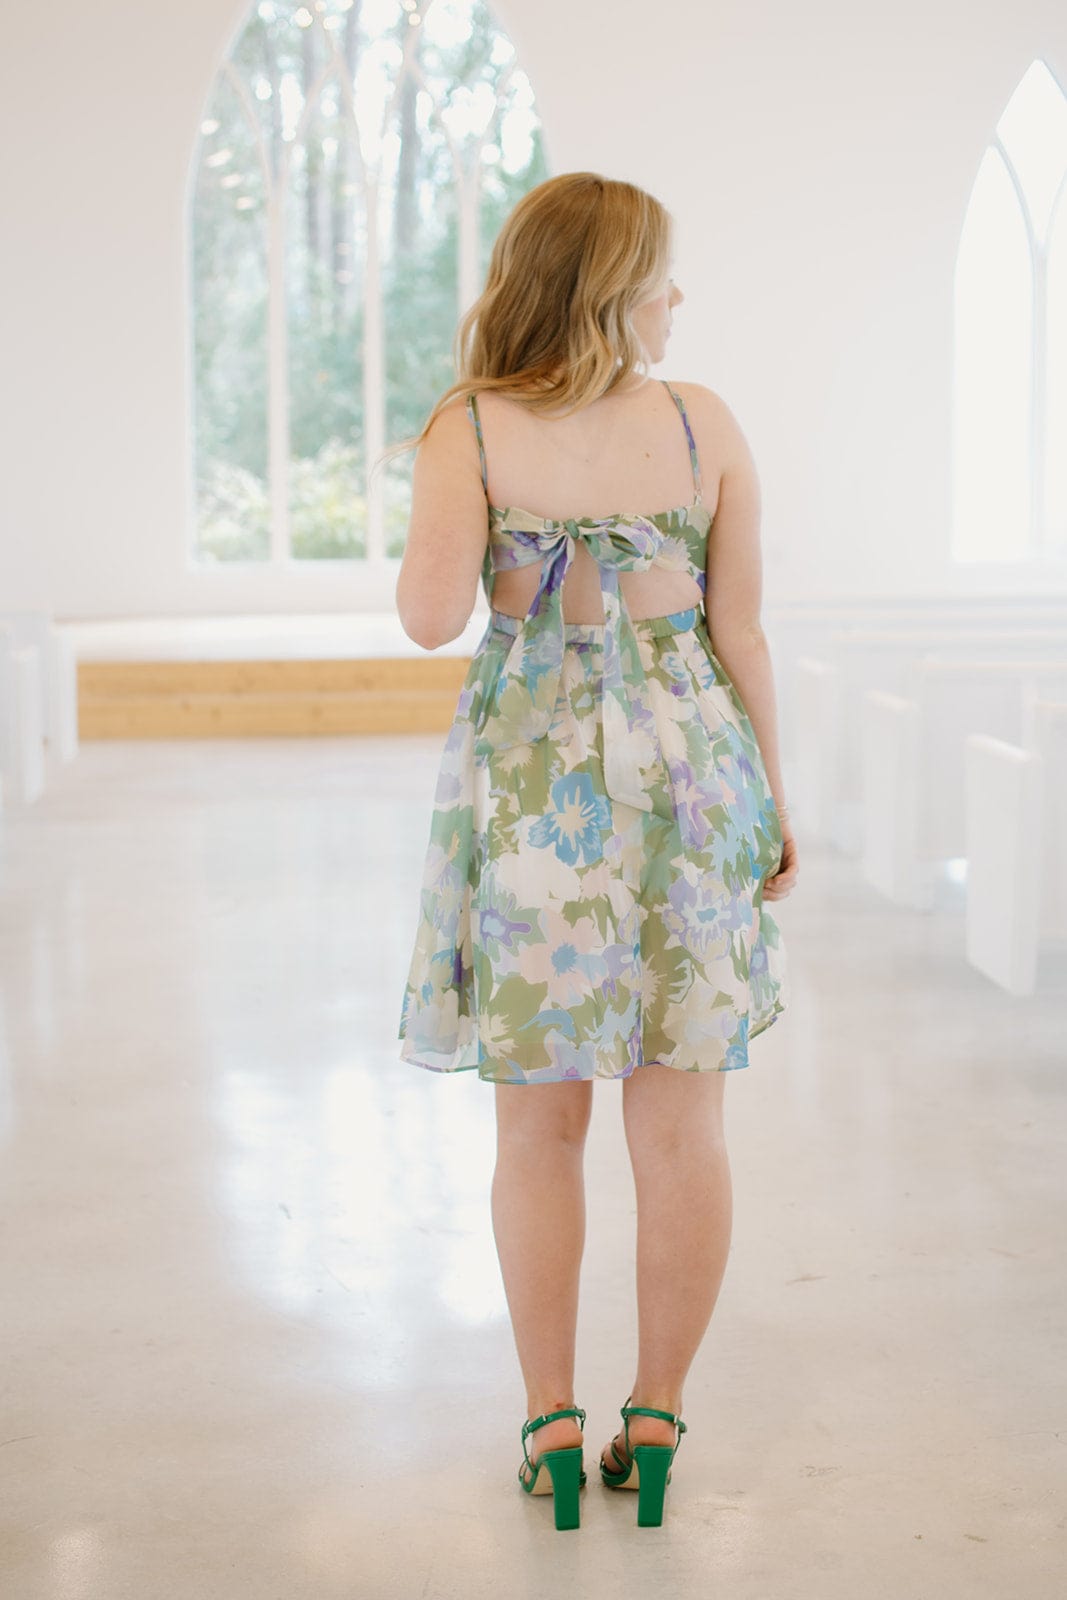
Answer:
(451, 418)
(701, 400)
(450, 444)
(711, 416)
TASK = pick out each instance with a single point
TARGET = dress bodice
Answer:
(526, 695)
(677, 540)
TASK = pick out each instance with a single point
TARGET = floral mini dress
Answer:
(602, 830)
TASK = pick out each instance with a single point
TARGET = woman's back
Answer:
(626, 454)
(604, 822)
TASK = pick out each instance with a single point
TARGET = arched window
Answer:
(356, 159)
(1010, 402)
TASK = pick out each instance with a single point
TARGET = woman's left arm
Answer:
(447, 532)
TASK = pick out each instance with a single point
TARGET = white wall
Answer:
(818, 159)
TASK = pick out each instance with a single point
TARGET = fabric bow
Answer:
(528, 688)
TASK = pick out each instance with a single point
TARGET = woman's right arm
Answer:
(447, 533)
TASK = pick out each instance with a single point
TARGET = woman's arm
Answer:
(447, 533)
(748, 665)
(735, 583)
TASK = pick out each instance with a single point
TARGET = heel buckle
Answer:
(552, 1416)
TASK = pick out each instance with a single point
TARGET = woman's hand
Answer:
(784, 880)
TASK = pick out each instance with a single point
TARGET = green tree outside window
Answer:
(356, 160)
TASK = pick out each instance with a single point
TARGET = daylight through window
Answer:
(1010, 402)
(356, 159)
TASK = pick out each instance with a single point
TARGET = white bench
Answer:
(913, 759)
(805, 630)
(1017, 849)
(813, 775)
(21, 722)
(830, 710)
(259, 636)
(36, 630)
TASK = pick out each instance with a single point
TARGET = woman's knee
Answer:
(543, 1113)
(666, 1109)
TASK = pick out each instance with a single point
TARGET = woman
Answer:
(605, 833)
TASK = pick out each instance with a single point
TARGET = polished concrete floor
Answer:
(253, 1342)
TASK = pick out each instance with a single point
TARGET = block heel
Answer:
(559, 1473)
(567, 1477)
(645, 1467)
(653, 1464)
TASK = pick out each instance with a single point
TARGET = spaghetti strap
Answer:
(693, 458)
(472, 411)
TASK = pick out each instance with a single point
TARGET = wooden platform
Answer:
(173, 699)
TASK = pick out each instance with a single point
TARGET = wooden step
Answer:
(231, 699)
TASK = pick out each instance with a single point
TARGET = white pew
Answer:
(35, 630)
(857, 661)
(1046, 730)
(914, 747)
(1016, 850)
(813, 777)
(960, 698)
(890, 755)
(21, 722)
(800, 629)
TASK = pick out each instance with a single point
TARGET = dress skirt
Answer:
(564, 933)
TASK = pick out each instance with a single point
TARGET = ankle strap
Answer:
(552, 1416)
(628, 1411)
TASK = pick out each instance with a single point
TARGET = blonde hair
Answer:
(552, 327)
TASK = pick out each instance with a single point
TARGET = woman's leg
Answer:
(674, 1132)
(538, 1201)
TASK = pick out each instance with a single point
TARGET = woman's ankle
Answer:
(538, 1405)
(657, 1397)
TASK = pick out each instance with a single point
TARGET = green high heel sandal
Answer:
(649, 1468)
(558, 1472)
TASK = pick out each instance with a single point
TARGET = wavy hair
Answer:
(552, 327)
